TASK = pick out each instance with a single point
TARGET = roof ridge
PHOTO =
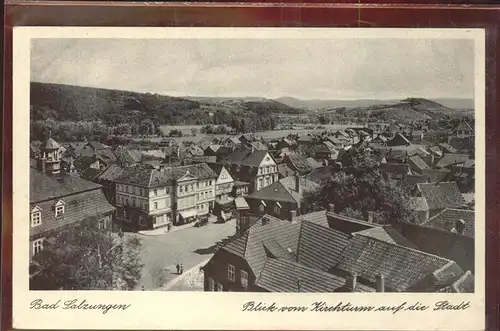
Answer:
(412, 249)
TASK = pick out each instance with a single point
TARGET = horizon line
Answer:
(185, 95)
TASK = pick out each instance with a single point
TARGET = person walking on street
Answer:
(182, 268)
(178, 268)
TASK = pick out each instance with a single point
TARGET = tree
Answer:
(84, 257)
(358, 188)
(194, 132)
(322, 119)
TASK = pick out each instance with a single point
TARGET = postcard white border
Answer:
(222, 310)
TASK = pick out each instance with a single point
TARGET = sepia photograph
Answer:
(196, 165)
(285, 163)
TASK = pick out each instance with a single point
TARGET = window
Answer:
(124, 214)
(155, 192)
(244, 278)
(117, 187)
(210, 183)
(167, 202)
(220, 288)
(36, 216)
(277, 208)
(192, 187)
(140, 191)
(180, 189)
(37, 245)
(167, 190)
(126, 189)
(142, 220)
(126, 202)
(230, 272)
(59, 208)
(133, 202)
(156, 205)
(146, 206)
(211, 284)
(198, 185)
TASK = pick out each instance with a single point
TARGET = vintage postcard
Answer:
(255, 178)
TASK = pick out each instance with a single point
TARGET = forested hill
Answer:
(113, 107)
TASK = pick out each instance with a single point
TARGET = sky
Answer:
(302, 68)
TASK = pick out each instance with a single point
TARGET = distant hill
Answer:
(408, 109)
(315, 104)
(76, 103)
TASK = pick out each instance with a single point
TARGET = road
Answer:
(189, 246)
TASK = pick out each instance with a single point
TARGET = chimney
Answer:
(331, 207)
(380, 283)
(460, 226)
(370, 216)
(351, 281)
(297, 182)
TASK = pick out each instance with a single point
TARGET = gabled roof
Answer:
(417, 160)
(396, 168)
(387, 234)
(284, 190)
(318, 217)
(200, 170)
(448, 148)
(78, 206)
(418, 204)
(310, 244)
(465, 284)
(46, 187)
(447, 220)
(283, 275)
(402, 267)
(110, 173)
(285, 170)
(96, 145)
(451, 159)
(244, 156)
(441, 195)
(435, 175)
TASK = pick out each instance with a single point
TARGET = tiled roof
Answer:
(396, 168)
(320, 175)
(451, 159)
(96, 145)
(285, 170)
(435, 175)
(285, 190)
(83, 162)
(402, 267)
(46, 187)
(446, 220)
(301, 163)
(448, 148)
(320, 247)
(244, 156)
(417, 160)
(148, 177)
(418, 204)
(318, 217)
(78, 206)
(340, 222)
(200, 170)
(441, 195)
(110, 173)
(282, 275)
(387, 234)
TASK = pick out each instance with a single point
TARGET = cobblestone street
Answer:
(191, 246)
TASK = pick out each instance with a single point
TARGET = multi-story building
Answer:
(59, 199)
(305, 256)
(151, 198)
(256, 167)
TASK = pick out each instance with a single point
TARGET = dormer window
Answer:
(59, 208)
(36, 216)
